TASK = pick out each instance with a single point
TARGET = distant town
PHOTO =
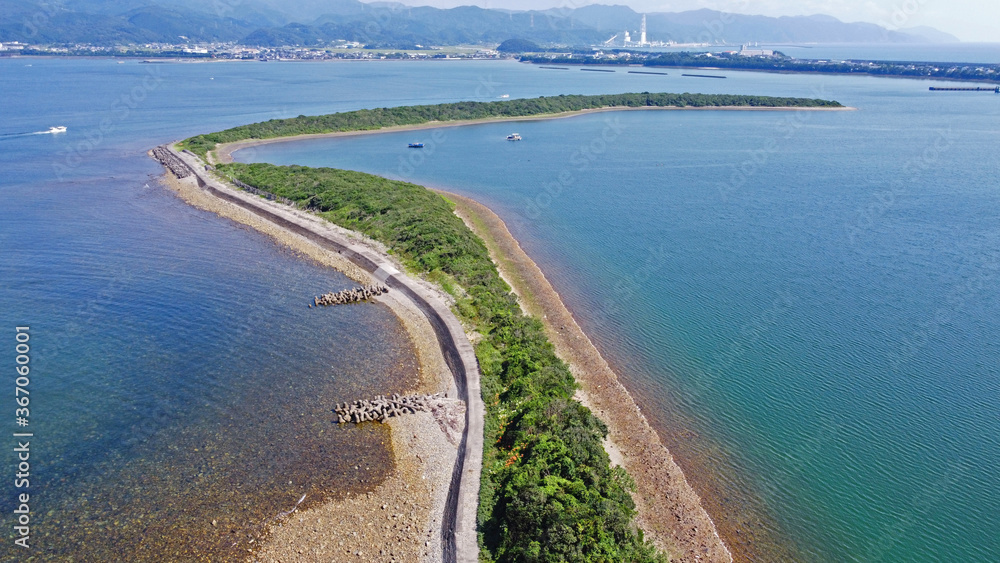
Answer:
(231, 51)
(632, 53)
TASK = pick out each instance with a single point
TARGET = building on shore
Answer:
(746, 51)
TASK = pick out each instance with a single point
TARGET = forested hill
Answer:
(369, 119)
(320, 22)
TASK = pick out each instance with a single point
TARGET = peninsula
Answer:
(548, 484)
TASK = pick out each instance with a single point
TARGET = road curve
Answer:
(458, 530)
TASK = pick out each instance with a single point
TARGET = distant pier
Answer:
(976, 89)
(703, 75)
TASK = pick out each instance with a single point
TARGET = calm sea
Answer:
(804, 303)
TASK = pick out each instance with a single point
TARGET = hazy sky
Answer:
(969, 20)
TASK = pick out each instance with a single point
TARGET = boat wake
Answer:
(51, 131)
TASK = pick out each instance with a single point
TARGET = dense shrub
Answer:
(548, 492)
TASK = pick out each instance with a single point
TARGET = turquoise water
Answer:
(814, 295)
(804, 304)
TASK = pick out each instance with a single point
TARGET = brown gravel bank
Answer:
(670, 511)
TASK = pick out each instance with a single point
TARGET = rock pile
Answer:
(170, 160)
(355, 295)
(383, 407)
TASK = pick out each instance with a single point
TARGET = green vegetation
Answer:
(518, 45)
(548, 491)
(368, 119)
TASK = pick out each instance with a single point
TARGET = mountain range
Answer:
(388, 24)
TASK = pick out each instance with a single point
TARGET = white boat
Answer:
(513, 137)
(59, 129)
(504, 96)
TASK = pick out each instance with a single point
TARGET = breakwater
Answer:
(380, 408)
(171, 161)
(976, 89)
(354, 295)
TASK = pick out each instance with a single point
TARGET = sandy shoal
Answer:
(400, 519)
(223, 152)
(669, 510)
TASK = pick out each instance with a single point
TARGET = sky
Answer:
(969, 20)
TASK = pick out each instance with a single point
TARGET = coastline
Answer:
(223, 153)
(669, 510)
(412, 502)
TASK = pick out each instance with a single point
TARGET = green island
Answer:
(379, 118)
(548, 490)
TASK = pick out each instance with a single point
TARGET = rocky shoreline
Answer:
(425, 445)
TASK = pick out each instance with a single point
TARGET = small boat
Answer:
(513, 137)
(416, 145)
(502, 96)
(59, 129)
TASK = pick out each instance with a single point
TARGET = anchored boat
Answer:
(416, 145)
(513, 137)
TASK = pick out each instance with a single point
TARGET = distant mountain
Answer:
(317, 22)
(710, 26)
(931, 35)
(131, 22)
